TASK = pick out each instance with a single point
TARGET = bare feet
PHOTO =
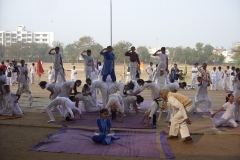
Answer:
(188, 140)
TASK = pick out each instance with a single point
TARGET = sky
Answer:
(150, 23)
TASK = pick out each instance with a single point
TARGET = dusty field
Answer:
(18, 135)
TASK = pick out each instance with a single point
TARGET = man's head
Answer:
(199, 79)
(2, 62)
(109, 48)
(227, 67)
(204, 66)
(74, 67)
(195, 65)
(151, 63)
(163, 49)
(181, 71)
(89, 52)
(99, 63)
(219, 68)
(214, 68)
(133, 49)
(183, 85)
(88, 81)
(7, 88)
(33, 64)
(22, 62)
(57, 49)
(175, 65)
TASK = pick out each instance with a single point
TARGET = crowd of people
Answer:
(162, 82)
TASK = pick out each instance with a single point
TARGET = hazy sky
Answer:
(141, 22)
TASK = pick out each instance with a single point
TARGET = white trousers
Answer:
(17, 110)
(14, 77)
(194, 80)
(161, 66)
(88, 71)
(59, 72)
(214, 83)
(88, 104)
(104, 92)
(207, 103)
(24, 88)
(217, 82)
(9, 80)
(133, 70)
(150, 77)
(171, 112)
(224, 84)
(153, 108)
(32, 78)
(224, 122)
(178, 123)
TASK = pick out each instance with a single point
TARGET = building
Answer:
(22, 35)
(227, 54)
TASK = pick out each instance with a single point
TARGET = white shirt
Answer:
(163, 57)
(219, 74)
(229, 113)
(194, 74)
(69, 84)
(32, 69)
(57, 60)
(214, 74)
(173, 86)
(73, 73)
(149, 69)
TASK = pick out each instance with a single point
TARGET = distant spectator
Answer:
(3, 66)
(174, 70)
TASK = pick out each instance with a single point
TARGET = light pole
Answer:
(111, 22)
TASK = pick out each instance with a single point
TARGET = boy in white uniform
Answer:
(68, 86)
(224, 80)
(149, 71)
(194, 75)
(58, 64)
(11, 104)
(88, 63)
(161, 79)
(219, 77)
(32, 70)
(54, 88)
(86, 102)
(23, 86)
(73, 75)
(9, 76)
(214, 79)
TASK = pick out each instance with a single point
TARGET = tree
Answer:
(143, 54)
(71, 52)
(236, 54)
(120, 49)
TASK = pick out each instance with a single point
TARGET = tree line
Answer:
(33, 51)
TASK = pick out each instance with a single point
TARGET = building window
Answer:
(19, 32)
(7, 34)
(14, 35)
(29, 35)
(44, 40)
(37, 35)
(36, 40)
(0, 39)
(24, 40)
(23, 35)
(44, 35)
(8, 39)
(0, 34)
(29, 39)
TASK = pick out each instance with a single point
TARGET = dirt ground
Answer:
(18, 135)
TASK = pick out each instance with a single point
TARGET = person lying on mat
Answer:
(67, 106)
(115, 103)
(104, 134)
(87, 102)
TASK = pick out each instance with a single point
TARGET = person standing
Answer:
(214, 79)
(108, 67)
(134, 62)
(99, 70)
(149, 71)
(224, 80)
(219, 77)
(88, 63)
(3, 66)
(174, 71)
(32, 72)
(9, 76)
(15, 72)
(58, 65)
(73, 75)
(194, 75)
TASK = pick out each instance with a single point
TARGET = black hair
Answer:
(219, 67)
(237, 70)
(85, 86)
(88, 79)
(99, 63)
(42, 83)
(140, 99)
(5, 86)
(184, 83)
(103, 110)
(151, 62)
(89, 51)
(142, 81)
(75, 86)
(57, 48)
(227, 98)
(72, 98)
(199, 77)
(156, 65)
(1, 69)
(68, 118)
(131, 85)
(163, 48)
(232, 74)
(227, 66)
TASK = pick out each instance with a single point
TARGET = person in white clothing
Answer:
(149, 71)
(236, 94)
(180, 120)
(163, 62)
(88, 63)
(194, 75)
(161, 79)
(97, 84)
(9, 76)
(232, 79)
(50, 74)
(65, 103)
(58, 64)
(201, 96)
(214, 79)
(148, 84)
(11, 103)
(219, 77)
(68, 86)
(116, 86)
(227, 118)
(32, 70)
(224, 80)
(99, 70)
(54, 88)
(115, 103)
(23, 82)
(86, 102)
(3, 81)
(73, 75)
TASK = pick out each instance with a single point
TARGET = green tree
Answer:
(71, 52)
(236, 54)
(120, 49)
(143, 54)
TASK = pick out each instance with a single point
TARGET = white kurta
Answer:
(87, 103)
(214, 80)
(56, 89)
(127, 102)
(162, 65)
(116, 86)
(155, 89)
(194, 77)
(73, 74)
(116, 100)
(150, 73)
(97, 84)
(236, 93)
(65, 88)
(50, 75)
(10, 106)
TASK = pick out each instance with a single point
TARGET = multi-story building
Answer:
(22, 35)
